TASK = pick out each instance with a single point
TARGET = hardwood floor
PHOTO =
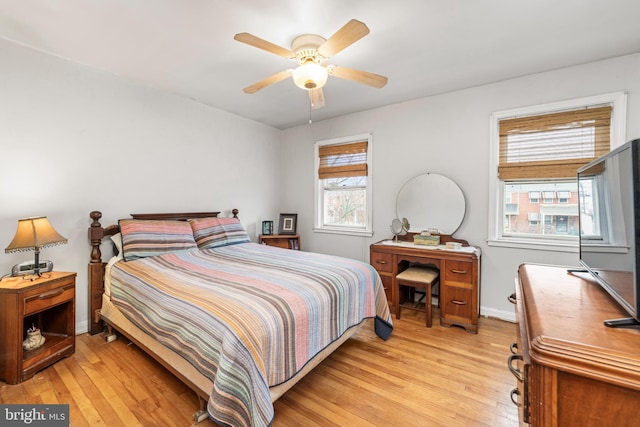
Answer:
(419, 377)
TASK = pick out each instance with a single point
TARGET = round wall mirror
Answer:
(431, 201)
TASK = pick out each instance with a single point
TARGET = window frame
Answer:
(611, 237)
(618, 101)
(319, 226)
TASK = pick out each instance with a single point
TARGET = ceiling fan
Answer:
(310, 52)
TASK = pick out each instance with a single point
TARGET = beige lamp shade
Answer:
(33, 234)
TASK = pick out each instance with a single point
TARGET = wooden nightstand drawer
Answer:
(382, 261)
(49, 298)
(458, 271)
(285, 241)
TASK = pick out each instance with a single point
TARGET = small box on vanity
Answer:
(426, 239)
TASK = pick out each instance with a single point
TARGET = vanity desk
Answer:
(459, 275)
(432, 202)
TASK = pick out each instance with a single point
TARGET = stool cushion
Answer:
(419, 274)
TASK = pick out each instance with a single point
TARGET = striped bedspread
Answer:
(248, 316)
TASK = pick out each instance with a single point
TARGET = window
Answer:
(536, 152)
(343, 185)
(601, 209)
(548, 196)
(564, 196)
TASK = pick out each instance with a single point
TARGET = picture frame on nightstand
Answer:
(267, 228)
(288, 223)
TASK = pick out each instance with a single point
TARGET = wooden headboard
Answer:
(96, 265)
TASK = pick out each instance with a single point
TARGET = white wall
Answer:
(447, 134)
(73, 140)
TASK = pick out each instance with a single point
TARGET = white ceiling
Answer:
(424, 47)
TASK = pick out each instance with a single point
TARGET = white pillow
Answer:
(117, 240)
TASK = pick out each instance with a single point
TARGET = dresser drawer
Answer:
(458, 271)
(48, 298)
(382, 261)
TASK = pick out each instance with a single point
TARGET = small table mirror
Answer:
(431, 202)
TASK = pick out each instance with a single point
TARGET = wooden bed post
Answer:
(96, 273)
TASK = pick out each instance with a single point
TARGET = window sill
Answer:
(361, 233)
(606, 248)
(536, 245)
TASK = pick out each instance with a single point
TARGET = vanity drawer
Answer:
(458, 271)
(387, 283)
(457, 303)
(382, 261)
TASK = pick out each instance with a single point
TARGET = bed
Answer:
(238, 322)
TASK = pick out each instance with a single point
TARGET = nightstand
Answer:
(287, 241)
(48, 303)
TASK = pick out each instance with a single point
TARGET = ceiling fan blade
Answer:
(316, 98)
(275, 78)
(254, 41)
(350, 33)
(364, 77)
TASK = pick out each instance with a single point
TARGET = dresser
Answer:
(570, 369)
(459, 276)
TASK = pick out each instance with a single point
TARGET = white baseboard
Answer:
(509, 316)
(82, 327)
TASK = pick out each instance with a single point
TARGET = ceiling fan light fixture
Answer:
(310, 76)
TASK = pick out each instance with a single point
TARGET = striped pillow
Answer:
(144, 238)
(214, 232)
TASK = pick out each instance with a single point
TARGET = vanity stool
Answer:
(417, 278)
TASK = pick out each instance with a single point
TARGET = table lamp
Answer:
(33, 234)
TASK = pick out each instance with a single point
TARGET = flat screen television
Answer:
(609, 237)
